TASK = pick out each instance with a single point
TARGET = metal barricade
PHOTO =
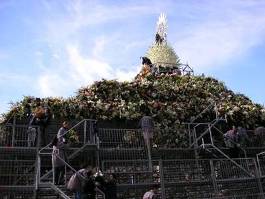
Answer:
(17, 167)
(121, 138)
(17, 172)
(19, 136)
(123, 144)
(225, 169)
(261, 163)
(132, 171)
(237, 188)
(17, 192)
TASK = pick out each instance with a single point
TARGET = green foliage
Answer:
(172, 100)
(72, 136)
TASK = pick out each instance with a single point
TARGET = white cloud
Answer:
(207, 42)
(81, 14)
(220, 39)
(99, 46)
(79, 71)
(52, 84)
(85, 70)
(121, 75)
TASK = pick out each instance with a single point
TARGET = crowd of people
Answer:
(85, 181)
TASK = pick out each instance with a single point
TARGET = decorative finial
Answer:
(161, 29)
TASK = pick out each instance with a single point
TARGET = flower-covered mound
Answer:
(172, 100)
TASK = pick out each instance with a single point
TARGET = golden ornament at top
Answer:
(160, 53)
(163, 55)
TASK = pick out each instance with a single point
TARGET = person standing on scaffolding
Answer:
(147, 126)
(58, 154)
(34, 120)
(231, 142)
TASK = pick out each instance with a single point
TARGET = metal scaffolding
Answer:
(26, 172)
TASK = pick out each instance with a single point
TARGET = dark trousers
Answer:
(59, 175)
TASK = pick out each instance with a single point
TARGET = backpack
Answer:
(73, 183)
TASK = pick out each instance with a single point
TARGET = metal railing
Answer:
(69, 171)
(187, 178)
(19, 135)
(121, 138)
(85, 130)
(123, 144)
(82, 133)
(261, 163)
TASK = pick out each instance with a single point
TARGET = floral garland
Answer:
(172, 100)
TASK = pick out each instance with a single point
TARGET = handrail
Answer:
(258, 161)
(204, 110)
(47, 146)
(226, 156)
(204, 133)
(49, 172)
(220, 132)
(76, 125)
(59, 191)
(69, 158)
(101, 192)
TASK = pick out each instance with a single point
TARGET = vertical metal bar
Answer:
(37, 170)
(91, 130)
(190, 140)
(213, 177)
(85, 132)
(162, 180)
(53, 176)
(39, 165)
(97, 152)
(13, 130)
(260, 174)
(195, 143)
(258, 177)
(211, 136)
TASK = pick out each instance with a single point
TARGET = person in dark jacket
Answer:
(89, 188)
(44, 121)
(243, 138)
(111, 187)
(80, 182)
(231, 142)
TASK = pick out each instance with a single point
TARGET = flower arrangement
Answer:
(72, 136)
(171, 100)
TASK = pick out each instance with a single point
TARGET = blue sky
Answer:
(52, 48)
